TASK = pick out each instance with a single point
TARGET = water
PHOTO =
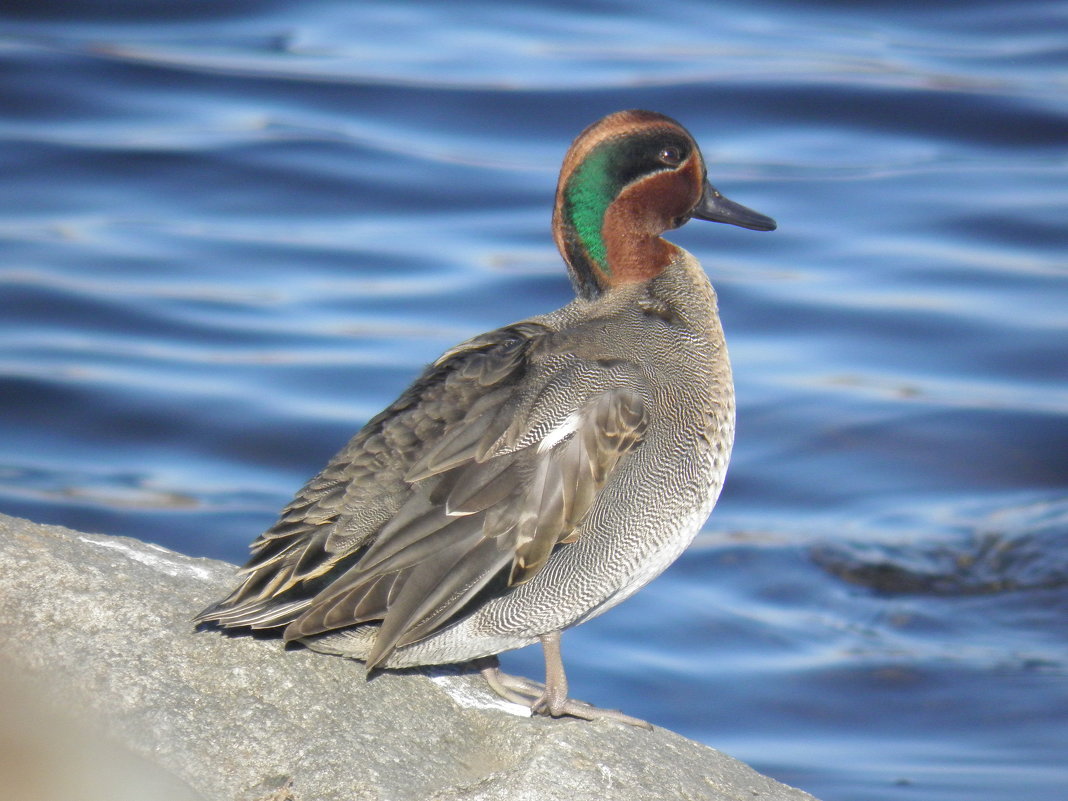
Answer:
(230, 234)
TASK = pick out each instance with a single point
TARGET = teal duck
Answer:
(534, 476)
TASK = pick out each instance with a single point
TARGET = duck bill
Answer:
(716, 208)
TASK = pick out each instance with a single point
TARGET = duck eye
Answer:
(671, 156)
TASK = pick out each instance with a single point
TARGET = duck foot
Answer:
(549, 698)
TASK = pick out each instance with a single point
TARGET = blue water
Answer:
(232, 232)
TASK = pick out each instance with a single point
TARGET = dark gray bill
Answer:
(716, 208)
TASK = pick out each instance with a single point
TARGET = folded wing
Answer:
(457, 492)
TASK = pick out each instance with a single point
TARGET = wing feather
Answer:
(498, 456)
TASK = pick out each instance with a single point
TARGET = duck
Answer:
(535, 476)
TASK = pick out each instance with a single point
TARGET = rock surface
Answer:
(102, 626)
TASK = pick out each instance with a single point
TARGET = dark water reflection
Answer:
(232, 234)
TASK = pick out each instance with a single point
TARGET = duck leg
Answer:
(550, 698)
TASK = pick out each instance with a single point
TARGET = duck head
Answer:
(626, 179)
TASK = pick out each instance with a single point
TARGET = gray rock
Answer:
(102, 625)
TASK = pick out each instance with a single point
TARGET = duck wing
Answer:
(457, 492)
